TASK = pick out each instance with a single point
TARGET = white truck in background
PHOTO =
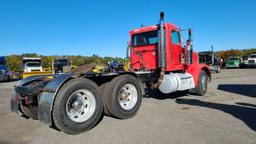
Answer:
(32, 64)
(251, 61)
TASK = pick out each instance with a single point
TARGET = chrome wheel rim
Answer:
(80, 105)
(128, 97)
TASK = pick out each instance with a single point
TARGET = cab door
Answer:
(176, 49)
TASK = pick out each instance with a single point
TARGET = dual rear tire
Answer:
(79, 104)
(122, 97)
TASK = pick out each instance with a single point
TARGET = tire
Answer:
(120, 107)
(102, 90)
(218, 69)
(29, 111)
(80, 97)
(201, 87)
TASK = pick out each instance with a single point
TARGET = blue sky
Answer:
(86, 27)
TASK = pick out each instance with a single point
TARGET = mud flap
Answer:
(14, 103)
(47, 98)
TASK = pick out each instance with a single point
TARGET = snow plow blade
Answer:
(35, 73)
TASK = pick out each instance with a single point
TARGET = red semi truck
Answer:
(74, 102)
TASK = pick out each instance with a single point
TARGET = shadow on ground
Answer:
(242, 89)
(156, 94)
(245, 113)
(13, 80)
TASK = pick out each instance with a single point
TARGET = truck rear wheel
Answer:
(202, 84)
(102, 90)
(77, 106)
(123, 96)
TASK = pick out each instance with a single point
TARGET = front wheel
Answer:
(123, 96)
(202, 84)
(77, 106)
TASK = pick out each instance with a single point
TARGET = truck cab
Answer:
(209, 58)
(4, 71)
(251, 61)
(32, 65)
(234, 62)
(61, 65)
(144, 48)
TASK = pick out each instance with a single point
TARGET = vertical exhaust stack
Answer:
(161, 52)
(212, 55)
(189, 48)
(161, 43)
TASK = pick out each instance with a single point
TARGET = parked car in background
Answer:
(251, 61)
(234, 62)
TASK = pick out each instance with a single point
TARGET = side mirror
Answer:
(128, 51)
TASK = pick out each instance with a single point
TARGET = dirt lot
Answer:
(227, 114)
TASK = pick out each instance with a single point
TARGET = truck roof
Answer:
(205, 53)
(234, 57)
(31, 58)
(151, 28)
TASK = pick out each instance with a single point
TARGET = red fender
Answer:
(195, 69)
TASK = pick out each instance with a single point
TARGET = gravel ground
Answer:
(226, 115)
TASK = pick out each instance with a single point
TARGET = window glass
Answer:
(146, 38)
(175, 37)
(33, 64)
(252, 56)
(233, 59)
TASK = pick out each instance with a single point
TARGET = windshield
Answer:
(146, 38)
(205, 59)
(61, 61)
(252, 56)
(2, 62)
(34, 64)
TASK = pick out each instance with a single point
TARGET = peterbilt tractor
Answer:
(75, 102)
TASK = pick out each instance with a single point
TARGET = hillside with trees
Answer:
(235, 52)
(14, 61)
